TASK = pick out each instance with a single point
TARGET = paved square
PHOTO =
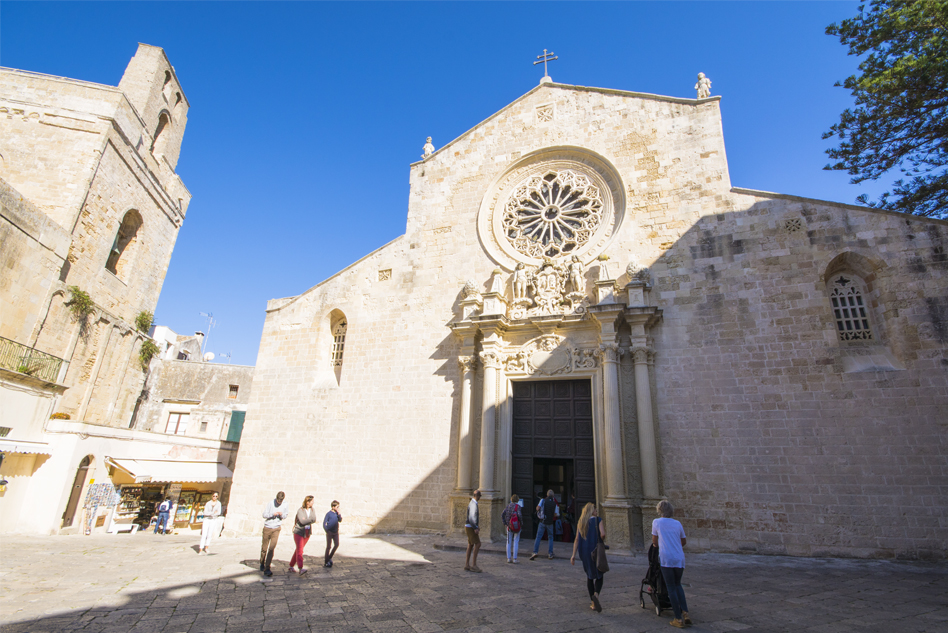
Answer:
(147, 583)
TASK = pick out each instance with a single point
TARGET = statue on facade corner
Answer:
(703, 86)
(428, 148)
(636, 272)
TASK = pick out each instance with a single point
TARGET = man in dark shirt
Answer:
(550, 511)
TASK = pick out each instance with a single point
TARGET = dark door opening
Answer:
(552, 445)
(77, 485)
(555, 475)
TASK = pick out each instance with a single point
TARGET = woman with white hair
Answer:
(669, 536)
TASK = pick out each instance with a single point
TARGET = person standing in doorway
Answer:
(589, 532)
(164, 515)
(669, 536)
(302, 530)
(547, 511)
(273, 513)
(473, 530)
(513, 521)
(331, 525)
(212, 511)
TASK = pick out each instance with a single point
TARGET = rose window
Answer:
(553, 215)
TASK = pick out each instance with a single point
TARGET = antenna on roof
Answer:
(544, 58)
(210, 323)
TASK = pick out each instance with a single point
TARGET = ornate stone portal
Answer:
(576, 340)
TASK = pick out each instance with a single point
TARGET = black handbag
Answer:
(599, 557)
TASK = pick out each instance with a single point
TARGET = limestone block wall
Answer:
(200, 389)
(33, 251)
(776, 436)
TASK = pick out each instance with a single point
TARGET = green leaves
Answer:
(900, 119)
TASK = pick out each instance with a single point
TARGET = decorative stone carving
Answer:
(469, 291)
(609, 352)
(603, 268)
(466, 363)
(520, 282)
(637, 272)
(492, 360)
(547, 356)
(428, 148)
(639, 355)
(553, 214)
(703, 86)
(584, 358)
(549, 288)
(553, 203)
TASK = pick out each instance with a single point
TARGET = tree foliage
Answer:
(900, 119)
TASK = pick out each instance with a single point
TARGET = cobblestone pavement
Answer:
(149, 583)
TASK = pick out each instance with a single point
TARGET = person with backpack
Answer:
(513, 521)
(331, 526)
(547, 512)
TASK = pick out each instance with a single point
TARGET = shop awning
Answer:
(164, 471)
(20, 446)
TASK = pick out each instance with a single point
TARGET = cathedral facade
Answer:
(582, 301)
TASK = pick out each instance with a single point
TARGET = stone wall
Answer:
(772, 435)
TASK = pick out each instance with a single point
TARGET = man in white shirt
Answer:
(274, 513)
(209, 528)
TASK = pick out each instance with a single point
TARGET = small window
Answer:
(338, 343)
(203, 426)
(184, 355)
(232, 394)
(167, 87)
(126, 239)
(160, 139)
(177, 423)
(849, 309)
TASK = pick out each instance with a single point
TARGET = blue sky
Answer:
(305, 115)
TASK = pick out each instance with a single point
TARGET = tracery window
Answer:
(849, 309)
(338, 343)
(553, 214)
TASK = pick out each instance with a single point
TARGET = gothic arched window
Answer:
(850, 311)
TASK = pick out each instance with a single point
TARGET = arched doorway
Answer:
(75, 495)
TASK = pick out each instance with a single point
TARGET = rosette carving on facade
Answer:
(555, 203)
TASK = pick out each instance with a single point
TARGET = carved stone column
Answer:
(491, 362)
(615, 471)
(643, 400)
(466, 364)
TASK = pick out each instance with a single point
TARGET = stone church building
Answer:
(582, 301)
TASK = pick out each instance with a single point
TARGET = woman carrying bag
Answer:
(589, 538)
(302, 530)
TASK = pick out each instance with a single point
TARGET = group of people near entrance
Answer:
(667, 534)
(276, 511)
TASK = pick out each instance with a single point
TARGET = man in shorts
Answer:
(472, 527)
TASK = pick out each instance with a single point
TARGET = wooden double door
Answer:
(552, 445)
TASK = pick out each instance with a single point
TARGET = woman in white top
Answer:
(669, 537)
